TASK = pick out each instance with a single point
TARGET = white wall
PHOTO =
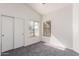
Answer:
(61, 26)
(76, 27)
(22, 11)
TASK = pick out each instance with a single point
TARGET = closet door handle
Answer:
(22, 33)
(2, 35)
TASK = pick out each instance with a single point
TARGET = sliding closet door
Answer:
(19, 33)
(7, 33)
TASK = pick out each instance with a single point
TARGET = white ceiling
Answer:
(47, 7)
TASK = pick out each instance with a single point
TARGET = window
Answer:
(34, 28)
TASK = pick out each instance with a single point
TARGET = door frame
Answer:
(0, 35)
(1, 29)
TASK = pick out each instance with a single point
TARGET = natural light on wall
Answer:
(54, 42)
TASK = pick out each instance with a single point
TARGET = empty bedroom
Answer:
(39, 29)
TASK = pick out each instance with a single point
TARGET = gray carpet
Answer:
(39, 49)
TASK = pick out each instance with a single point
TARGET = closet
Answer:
(12, 33)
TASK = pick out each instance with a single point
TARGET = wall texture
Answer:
(76, 27)
(61, 26)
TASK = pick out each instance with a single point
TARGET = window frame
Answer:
(33, 30)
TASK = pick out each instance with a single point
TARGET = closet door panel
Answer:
(18, 33)
(7, 33)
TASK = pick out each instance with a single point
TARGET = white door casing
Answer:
(0, 35)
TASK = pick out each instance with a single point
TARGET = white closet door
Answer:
(7, 33)
(19, 33)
